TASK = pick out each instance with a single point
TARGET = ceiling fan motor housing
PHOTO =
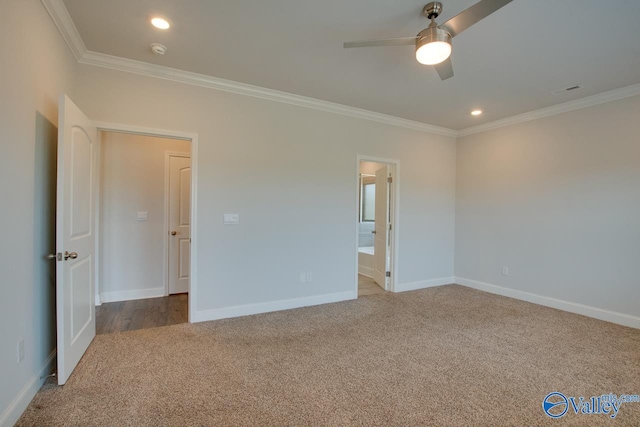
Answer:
(432, 34)
(432, 10)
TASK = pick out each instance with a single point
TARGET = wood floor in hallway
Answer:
(141, 314)
(367, 286)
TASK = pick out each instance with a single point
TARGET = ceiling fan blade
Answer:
(445, 69)
(399, 41)
(470, 16)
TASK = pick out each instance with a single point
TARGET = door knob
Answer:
(373, 232)
(72, 255)
(173, 233)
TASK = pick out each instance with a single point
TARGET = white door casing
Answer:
(381, 238)
(179, 206)
(75, 235)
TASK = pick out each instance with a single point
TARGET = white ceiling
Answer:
(507, 64)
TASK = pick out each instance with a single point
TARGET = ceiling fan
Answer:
(433, 44)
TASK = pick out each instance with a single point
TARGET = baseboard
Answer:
(365, 271)
(14, 411)
(572, 307)
(266, 307)
(131, 295)
(423, 284)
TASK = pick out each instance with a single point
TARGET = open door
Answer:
(75, 235)
(381, 239)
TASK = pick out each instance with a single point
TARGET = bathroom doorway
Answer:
(377, 194)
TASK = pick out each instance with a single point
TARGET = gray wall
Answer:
(557, 201)
(132, 259)
(291, 174)
(36, 68)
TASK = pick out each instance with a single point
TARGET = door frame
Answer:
(161, 133)
(167, 208)
(394, 213)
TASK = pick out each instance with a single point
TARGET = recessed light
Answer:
(161, 23)
(476, 112)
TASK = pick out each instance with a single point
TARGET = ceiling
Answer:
(507, 64)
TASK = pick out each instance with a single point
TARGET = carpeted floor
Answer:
(448, 356)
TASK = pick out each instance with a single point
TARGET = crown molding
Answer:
(60, 16)
(589, 101)
(69, 32)
(187, 77)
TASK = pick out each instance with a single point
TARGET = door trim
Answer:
(394, 244)
(186, 136)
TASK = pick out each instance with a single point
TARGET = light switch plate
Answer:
(231, 219)
(143, 216)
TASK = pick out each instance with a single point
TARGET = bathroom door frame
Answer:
(394, 216)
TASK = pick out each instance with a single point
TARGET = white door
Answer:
(381, 239)
(179, 223)
(75, 233)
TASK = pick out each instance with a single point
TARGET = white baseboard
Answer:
(572, 307)
(131, 295)
(365, 271)
(266, 307)
(423, 284)
(13, 412)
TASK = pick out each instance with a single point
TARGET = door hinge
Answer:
(390, 180)
(390, 227)
(388, 274)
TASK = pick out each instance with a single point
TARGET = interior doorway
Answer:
(144, 231)
(78, 223)
(377, 194)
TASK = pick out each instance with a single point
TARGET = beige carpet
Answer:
(448, 356)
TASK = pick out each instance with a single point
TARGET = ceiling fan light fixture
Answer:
(433, 46)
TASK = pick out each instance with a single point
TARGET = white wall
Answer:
(291, 174)
(133, 179)
(36, 68)
(557, 201)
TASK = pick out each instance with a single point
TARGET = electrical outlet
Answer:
(309, 277)
(505, 271)
(303, 277)
(20, 350)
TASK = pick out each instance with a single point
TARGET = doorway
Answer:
(143, 249)
(78, 220)
(376, 235)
